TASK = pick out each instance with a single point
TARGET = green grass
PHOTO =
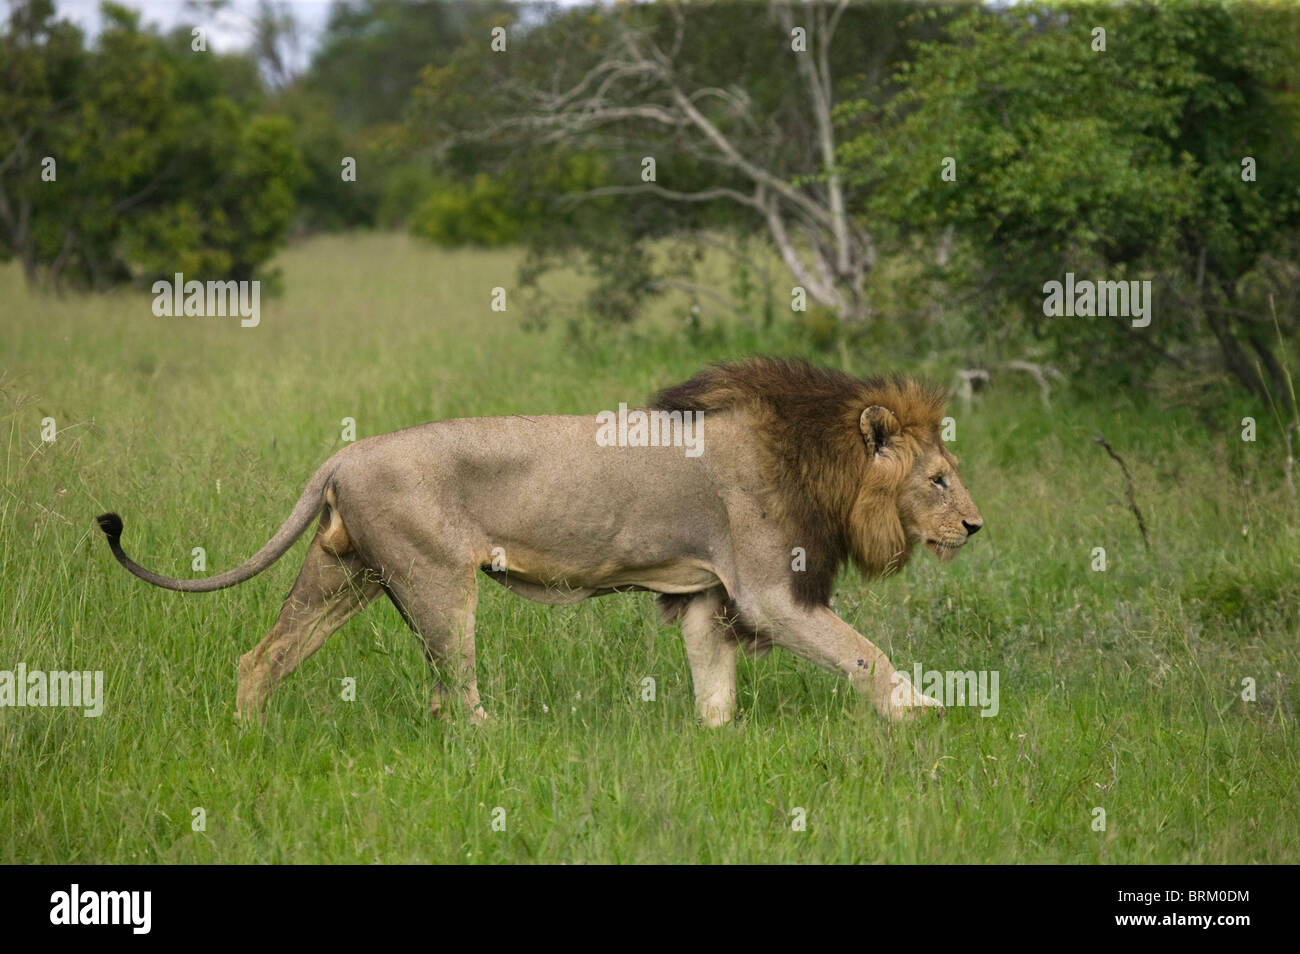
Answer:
(1119, 690)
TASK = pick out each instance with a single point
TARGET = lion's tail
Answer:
(304, 511)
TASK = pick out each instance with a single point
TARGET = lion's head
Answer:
(855, 469)
(932, 503)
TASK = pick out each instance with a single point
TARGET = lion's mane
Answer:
(828, 496)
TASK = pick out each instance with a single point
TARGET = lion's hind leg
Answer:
(331, 587)
(439, 603)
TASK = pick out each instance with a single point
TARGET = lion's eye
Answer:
(938, 480)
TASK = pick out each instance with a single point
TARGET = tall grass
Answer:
(1120, 690)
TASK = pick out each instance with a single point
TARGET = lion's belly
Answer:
(674, 578)
(555, 578)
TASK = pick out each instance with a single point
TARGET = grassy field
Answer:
(1120, 690)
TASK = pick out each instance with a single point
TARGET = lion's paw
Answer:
(907, 702)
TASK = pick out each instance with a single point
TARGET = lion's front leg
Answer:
(820, 636)
(712, 654)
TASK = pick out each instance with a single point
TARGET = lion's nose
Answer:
(972, 528)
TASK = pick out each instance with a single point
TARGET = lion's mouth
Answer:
(941, 549)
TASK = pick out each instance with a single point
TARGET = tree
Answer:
(351, 102)
(41, 65)
(135, 159)
(737, 123)
(1129, 160)
(275, 41)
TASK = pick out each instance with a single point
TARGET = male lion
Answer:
(801, 469)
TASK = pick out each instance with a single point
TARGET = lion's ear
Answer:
(878, 426)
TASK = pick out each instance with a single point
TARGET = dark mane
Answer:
(830, 499)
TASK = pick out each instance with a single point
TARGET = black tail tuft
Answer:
(111, 524)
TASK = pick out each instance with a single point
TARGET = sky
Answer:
(228, 31)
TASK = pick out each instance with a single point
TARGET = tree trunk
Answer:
(1235, 359)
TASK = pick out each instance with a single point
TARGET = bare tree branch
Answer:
(704, 195)
(638, 86)
(1128, 481)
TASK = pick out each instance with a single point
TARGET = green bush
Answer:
(480, 213)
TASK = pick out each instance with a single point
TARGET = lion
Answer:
(795, 470)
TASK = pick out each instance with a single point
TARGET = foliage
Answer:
(162, 161)
(352, 101)
(1125, 163)
(1120, 690)
(616, 83)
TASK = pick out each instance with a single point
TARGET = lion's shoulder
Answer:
(803, 424)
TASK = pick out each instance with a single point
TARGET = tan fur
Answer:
(333, 534)
(794, 457)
